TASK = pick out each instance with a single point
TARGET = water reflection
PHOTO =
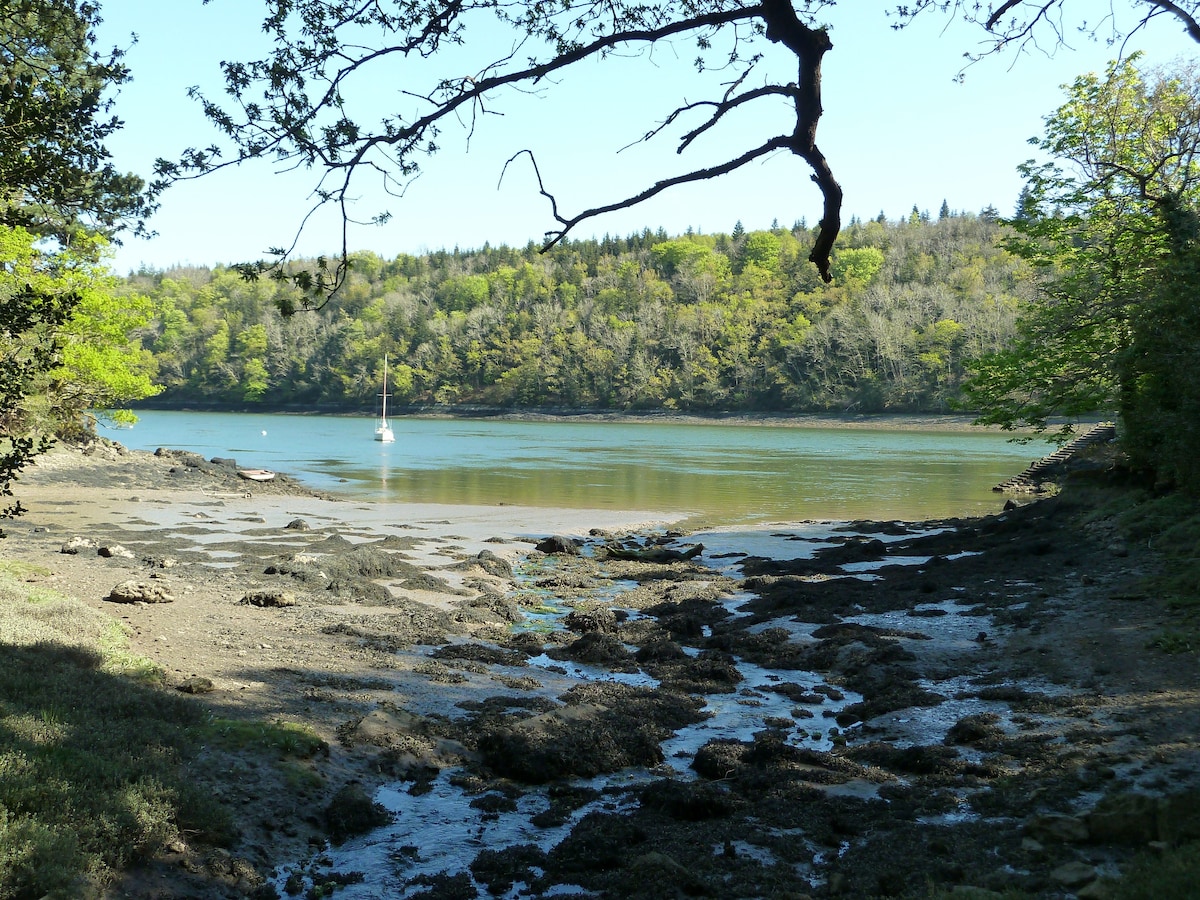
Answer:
(733, 474)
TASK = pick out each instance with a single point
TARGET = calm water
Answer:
(717, 474)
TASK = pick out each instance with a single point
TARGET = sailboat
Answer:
(383, 431)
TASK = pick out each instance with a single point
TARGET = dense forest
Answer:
(700, 323)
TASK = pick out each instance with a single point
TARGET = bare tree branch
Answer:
(1190, 24)
(705, 174)
(296, 129)
(810, 46)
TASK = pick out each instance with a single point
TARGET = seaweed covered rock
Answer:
(602, 728)
(352, 812)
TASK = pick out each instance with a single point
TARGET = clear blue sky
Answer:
(898, 131)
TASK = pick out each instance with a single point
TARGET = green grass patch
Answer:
(1170, 875)
(1168, 525)
(283, 739)
(100, 766)
(90, 770)
(1174, 642)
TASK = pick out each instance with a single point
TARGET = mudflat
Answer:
(920, 705)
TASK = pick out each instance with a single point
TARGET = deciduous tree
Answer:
(58, 190)
(1109, 220)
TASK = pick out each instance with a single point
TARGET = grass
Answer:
(1169, 526)
(280, 738)
(1170, 875)
(100, 766)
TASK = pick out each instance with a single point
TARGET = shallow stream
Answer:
(444, 829)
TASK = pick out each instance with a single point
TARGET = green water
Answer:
(715, 473)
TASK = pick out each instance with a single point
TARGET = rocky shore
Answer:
(894, 709)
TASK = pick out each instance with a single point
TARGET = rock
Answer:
(595, 648)
(493, 564)
(687, 802)
(269, 598)
(197, 684)
(838, 883)
(558, 544)
(1179, 818)
(1073, 874)
(598, 618)
(381, 726)
(1137, 819)
(75, 544)
(661, 650)
(666, 876)
(488, 607)
(187, 457)
(1096, 890)
(974, 729)
(412, 754)
(139, 592)
(603, 728)
(114, 551)
(351, 812)
(857, 549)
(226, 461)
(1126, 818)
(654, 554)
(1056, 827)
(361, 590)
(297, 525)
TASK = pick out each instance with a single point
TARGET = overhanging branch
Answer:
(568, 223)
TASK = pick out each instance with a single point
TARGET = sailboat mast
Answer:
(384, 388)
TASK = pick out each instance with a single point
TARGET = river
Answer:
(718, 474)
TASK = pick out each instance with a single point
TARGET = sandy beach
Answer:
(966, 703)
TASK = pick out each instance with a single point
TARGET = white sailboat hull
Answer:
(383, 431)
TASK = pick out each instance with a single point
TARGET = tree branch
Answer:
(1190, 25)
(554, 237)
(810, 46)
(295, 130)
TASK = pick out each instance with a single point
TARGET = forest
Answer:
(696, 322)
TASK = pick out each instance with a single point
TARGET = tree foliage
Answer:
(648, 322)
(1045, 25)
(1109, 220)
(29, 319)
(60, 198)
(56, 176)
(304, 104)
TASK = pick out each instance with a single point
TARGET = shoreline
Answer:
(883, 421)
(990, 689)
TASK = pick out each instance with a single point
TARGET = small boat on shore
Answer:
(256, 474)
(383, 431)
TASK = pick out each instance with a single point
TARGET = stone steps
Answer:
(1030, 480)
